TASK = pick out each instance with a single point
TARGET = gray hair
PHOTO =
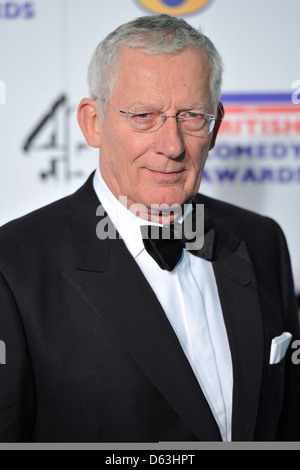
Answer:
(160, 34)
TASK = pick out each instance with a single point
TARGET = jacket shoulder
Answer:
(227, 209)
(235, 217)
(45, 234)
(48, 220)
(27, 237)
(35, 222)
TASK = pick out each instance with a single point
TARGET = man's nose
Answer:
(169, 139)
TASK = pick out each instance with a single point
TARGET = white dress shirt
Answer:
(168, 289)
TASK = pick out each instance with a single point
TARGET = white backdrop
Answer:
(45, 48)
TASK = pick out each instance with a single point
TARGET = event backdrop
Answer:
(45, 48)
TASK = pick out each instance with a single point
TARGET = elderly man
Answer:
(131, 339)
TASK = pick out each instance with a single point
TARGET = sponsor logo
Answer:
(53, 143)
(16, 10)
(258, 141)
(174, 7)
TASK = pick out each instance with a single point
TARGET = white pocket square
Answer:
(279, 347)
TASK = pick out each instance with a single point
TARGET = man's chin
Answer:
(170, 199)
(162, 206)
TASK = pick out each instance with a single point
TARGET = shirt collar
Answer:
(126, 222)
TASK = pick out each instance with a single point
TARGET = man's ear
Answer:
(220, 117)
(89, 121)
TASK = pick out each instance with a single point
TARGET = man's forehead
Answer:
(151, 77)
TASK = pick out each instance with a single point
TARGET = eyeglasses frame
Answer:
(165, 117)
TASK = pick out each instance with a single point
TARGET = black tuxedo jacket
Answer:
(91, 356)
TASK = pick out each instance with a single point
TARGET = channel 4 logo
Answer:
(2, 92)
(2, 353)
(174, 7)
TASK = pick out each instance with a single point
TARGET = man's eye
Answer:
(191, 115)
(143, 116)
(143, 121)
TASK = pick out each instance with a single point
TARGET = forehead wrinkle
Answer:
(195, 106)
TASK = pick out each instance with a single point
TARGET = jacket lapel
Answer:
(109, 280)
(239, 299)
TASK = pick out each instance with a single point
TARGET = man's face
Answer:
(165, 166)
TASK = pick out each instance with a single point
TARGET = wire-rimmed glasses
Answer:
(191, 121)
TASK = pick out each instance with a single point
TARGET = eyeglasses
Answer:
(192, 122)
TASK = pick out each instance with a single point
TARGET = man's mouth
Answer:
(166, 174)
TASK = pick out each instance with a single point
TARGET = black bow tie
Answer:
(165, 244)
